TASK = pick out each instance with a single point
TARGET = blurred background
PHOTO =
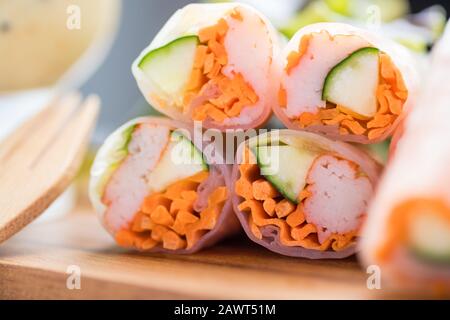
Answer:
(90, 44)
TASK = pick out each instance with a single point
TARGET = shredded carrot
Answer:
(278, 211)
(181, 204)
(158, 232)
(215, 70)
(233, 92)
(284, 208)
(330, 114)
(343, 131)
(125, 238)
(269, 206)
(223, 102)
(196, 79)
(168, 218)
(208, 33)
(249, 172)
(303, 232)
(221, 28)
(292, 61)
(397, 233)
(282, 97)
(387, 72)
(376, 133)
(235, 109)
(161, 216)
(200, 113)
(380, 120)
(235, 14)
(307, 119)
(305, 193)
(254, 228)
(354, 126)
(141, 223)
(350, 113)
(189, 195)
(395, 105)
(381, 97)
(152, 202)
(337, 120)
(218, 51)
(294, 57)
(215, 113)
(263, 190)
(208, 64)
(173, 241)
(183, 219)
(402, 95)
(200, 56)
(296, 218)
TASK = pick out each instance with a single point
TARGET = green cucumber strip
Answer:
(285, 167)
(352, 83)
(170, 66)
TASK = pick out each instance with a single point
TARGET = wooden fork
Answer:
(40, 159)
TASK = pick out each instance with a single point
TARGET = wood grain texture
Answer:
(41, 158)
(33, 265)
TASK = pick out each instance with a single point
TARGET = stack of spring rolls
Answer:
(302, 191)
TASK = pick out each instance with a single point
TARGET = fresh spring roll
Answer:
(301, 194)
(155, 190)
(345, 83)
(214, 63)
(408, 229)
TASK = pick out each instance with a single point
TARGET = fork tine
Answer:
(27, 190)
(23, 131)
(72, 137)
(42, 129)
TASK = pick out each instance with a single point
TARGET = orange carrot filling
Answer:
(266, 206)
(399, 222)
(391, 96)
(231, 95)
(294, 57)
(168, 219)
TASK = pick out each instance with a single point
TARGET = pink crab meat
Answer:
(128, 187)
(250, 52)
(339, 197)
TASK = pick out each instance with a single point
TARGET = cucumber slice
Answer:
(286, 167)
(170, 66)
(353, 82)
(180, 160)
(430, 238)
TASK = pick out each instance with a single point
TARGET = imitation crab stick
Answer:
(155, 190)
(345, 83)
(214, 63)
(303, 195)
(408, 229)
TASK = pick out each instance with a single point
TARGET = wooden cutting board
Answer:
(34, 265)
